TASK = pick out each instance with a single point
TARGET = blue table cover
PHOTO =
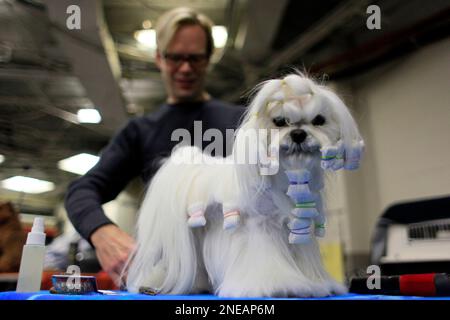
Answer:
(123, 295)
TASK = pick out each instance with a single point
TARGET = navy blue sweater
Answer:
(137, 150)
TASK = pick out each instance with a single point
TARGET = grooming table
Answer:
(122, 295)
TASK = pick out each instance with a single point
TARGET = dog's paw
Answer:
(196, 213)
(300, 176)
(329, 154)
(301, 194)
(300, 238)
(319, 231)
(353, 155)
(197, 221)
(300, 230)
(340, 156)
(231, 220)
(336, 288)
(319, 226)
(305, 211)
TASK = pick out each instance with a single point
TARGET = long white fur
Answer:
(255, 259)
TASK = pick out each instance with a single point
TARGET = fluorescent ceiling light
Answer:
(146, 37)
(28, 185)
(2, 158)
(89, 116)
(220, 36)
(79, 164)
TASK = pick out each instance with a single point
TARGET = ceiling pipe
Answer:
(93, 57)
(386, 47)
(316, 33)
(299, 46)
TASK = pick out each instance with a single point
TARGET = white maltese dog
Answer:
(246, 225)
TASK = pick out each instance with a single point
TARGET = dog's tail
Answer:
(165, 258)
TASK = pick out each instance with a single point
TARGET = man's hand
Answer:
(112, 246)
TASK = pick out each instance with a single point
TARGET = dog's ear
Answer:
(268, 152)
(253, 163)
(349, 132)
(251, 151)
(246, 148)
(351, 143)
(254, 136)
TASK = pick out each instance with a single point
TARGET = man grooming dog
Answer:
(269, 246)
(185, 46)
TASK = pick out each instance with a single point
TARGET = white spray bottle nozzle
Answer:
(38, 225)
(37, 235)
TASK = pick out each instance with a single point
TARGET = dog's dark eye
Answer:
(319, 120)
(280, 122)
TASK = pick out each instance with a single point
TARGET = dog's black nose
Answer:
(298, 135)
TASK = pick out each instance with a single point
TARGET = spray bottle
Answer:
(32, 263)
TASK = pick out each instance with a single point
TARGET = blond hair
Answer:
(168, 24)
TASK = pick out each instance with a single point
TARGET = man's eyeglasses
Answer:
(197, 60)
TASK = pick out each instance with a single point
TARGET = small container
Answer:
(66, 284)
